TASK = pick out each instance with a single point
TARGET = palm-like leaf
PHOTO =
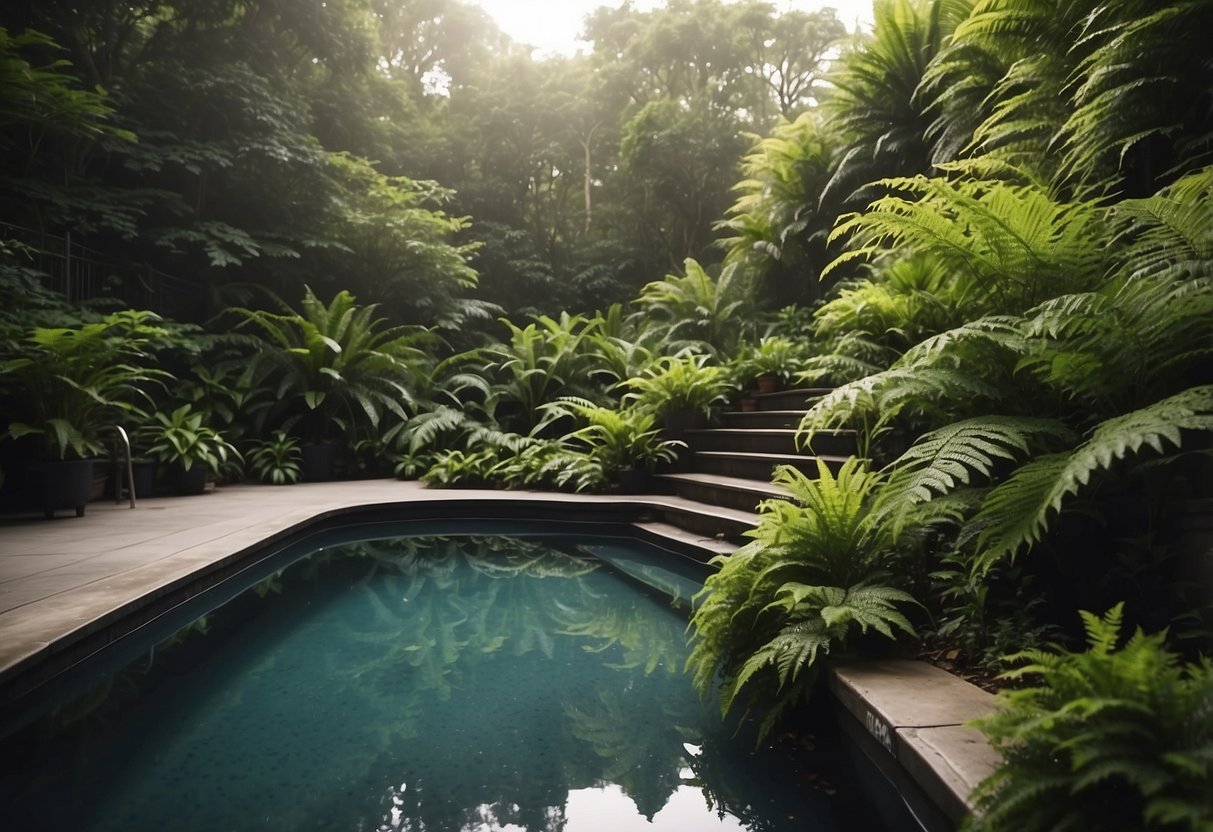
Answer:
(344, 364)
(1106, 738)
(874, 106)
(697, 310)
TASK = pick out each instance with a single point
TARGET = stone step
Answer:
(761, 419)
(674, 538)
(799, 399)
(675, 575)
(757, 466)
(769, 441)
(705, 519)
(721, 492)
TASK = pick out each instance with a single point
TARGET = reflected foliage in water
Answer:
(406, 683)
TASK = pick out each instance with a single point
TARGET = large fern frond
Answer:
(1017, 512)
(956, 455)
(1168, 235)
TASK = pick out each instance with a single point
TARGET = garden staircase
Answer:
(727, 469)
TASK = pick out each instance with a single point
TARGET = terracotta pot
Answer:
(767, 384)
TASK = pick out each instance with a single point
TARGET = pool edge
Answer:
(935, 750)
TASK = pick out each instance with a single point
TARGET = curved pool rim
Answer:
(932, 790)
(22, 678)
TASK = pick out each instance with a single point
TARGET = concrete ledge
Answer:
(917, 714)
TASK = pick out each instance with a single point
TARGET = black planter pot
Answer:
(186, 483)
(317, 461)
(633, 481)
(144, 471)
(60, 485)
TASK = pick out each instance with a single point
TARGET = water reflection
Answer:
(608, 809)
(403, 685)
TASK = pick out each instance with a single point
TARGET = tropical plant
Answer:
(624, 347)
(1109, 738)
(617, 439)
(276, 460)
(546, 359)
(689, 383)
(1007, 246)
(335, 370)
(180, 439)
(872, 320)
(815, 573)
(66, 384)
(460, 469)
(698, 311)
(874, 107)
(778, 227)
(774, 356)
(1098, 95)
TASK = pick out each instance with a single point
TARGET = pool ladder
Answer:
(118, 468)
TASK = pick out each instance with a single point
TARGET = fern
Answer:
(1008, 245)
(956, 455)
(807, 581)
(1170, 234)
(1106, 739)
(1017, 512)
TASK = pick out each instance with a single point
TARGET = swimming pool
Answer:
(426, 683)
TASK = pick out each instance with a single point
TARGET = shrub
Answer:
(1109, 739)
(813, 576)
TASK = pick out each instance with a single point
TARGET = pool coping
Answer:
(916, 713)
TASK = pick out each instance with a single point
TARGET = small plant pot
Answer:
(65, 484)
(767, 383)
(633, 481)
(144, 472)
(186, 483)
(749, 404)
(316, 461)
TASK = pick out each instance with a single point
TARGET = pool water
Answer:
(476, 684)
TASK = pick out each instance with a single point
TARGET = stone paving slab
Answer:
(918, 714)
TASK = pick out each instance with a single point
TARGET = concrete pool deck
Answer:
(65, 580)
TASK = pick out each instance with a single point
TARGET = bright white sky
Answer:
(553, 25)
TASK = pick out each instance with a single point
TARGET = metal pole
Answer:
(130, 469)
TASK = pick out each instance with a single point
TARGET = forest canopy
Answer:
(405, 150)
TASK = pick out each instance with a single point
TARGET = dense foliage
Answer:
(996, 217)
(1119, 736)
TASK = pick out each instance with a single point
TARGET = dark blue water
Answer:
(421, 684)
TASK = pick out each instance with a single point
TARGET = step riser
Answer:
(758, 419)
(707, 525)
(789, 399)
(724, 497)
(832, 444)
(758, 469)
(749, 469)
(746, 442)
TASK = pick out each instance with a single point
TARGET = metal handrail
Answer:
(130, 469)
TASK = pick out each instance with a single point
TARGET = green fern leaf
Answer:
(1016, 513)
